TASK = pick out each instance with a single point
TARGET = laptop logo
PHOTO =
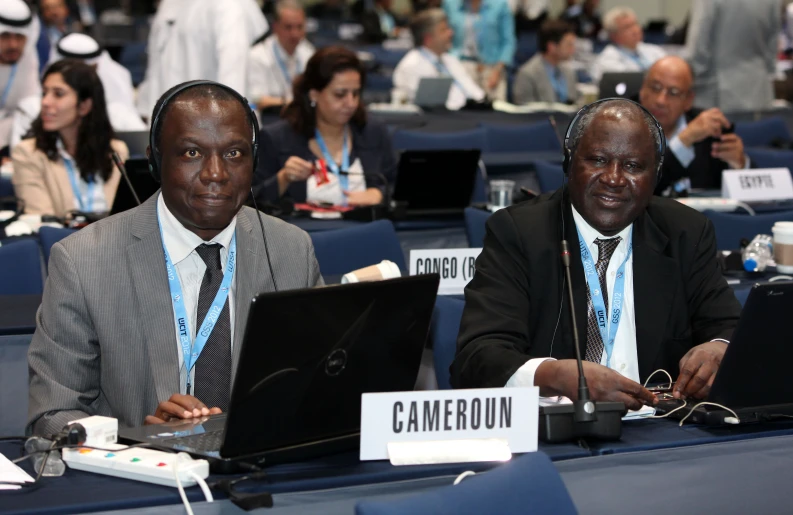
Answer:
(621, 88)
(336, 362)
(772, 293)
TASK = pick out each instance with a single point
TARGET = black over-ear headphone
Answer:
(568, 152)
(155, 160)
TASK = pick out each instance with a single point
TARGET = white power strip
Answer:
(138, 464)
(723, 205)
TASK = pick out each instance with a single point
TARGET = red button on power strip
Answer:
(161, 464)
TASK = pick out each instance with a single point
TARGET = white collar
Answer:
(284, 52)
(429, 53)
(180, 241)
(681, 124)
(590, 234)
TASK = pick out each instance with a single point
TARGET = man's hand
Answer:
(708, 124)
(561, 378)
(180, 407)
(698, 369)
(730, 150)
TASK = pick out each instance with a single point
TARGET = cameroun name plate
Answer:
(449, 426)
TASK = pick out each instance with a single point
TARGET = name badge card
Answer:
(757, 185)
(449, 426)
(455, 266)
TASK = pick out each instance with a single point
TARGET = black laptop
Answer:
(754, 378)
(306, 358)
(142, 181)
(621, 84)
(436, 182)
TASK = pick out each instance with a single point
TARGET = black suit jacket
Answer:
(279, 141)
(512, 304)
(704, 170)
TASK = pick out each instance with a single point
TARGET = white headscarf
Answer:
(16, 18)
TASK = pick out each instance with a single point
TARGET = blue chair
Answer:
(343, 250)
(731, 227)
(49, 236)
(462, 140)
(6, 187)
(763, 158)
(475, 220)
(528, 484)
(763, 132)
(549, 175)
(443, 333)
(538, 137)
(20, 268)
(14, 383)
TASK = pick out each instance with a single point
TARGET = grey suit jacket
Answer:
(532, 83)
(732, 46)
(105, 342)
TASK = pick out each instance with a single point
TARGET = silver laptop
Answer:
(621, 84)
(433, 91)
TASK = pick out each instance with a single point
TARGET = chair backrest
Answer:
(6, 187)
(528, 484)
(549, 175)
(763, 132)
(731, 227)
(14, 384)
(443, 333)
(475, 226)
(20, 268)
(49, 236)
(763, 158)
(343, 250)
(538, 137)
(461, 140)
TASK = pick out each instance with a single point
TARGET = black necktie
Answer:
(594, 341)
(213, 368)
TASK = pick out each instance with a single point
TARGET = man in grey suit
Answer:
(547, 77)
(117, 322)
(732, 47)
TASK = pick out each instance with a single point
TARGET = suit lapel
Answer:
(654, 287)
(152, 295)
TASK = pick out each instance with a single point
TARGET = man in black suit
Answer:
(698, 149)
(675, 310)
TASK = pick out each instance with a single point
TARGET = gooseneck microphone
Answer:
(264, 240)
(123, 169)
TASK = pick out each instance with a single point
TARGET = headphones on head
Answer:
(155, 160)
(568, 152)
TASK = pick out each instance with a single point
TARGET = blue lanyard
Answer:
(559, 84)
(617, 297)
(10, 82)
(281, 64)
(86, 203)
(191, 350)
(637, 58)
(441, 68)
(344, 180)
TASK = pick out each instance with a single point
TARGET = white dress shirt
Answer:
(419, 63)
(624, 357)
(181, 244)
(265, 76)
(615, 59)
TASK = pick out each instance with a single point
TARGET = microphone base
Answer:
(558, 424)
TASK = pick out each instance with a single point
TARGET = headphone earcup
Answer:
(566, 162)
(154, 170)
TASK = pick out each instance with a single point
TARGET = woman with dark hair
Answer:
(66, 165)
(325, 150)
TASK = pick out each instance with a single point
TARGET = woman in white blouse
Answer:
(65, 165)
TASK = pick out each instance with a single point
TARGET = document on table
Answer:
(644, 412)
(10, 473)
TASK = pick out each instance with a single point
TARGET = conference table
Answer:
(659, 447)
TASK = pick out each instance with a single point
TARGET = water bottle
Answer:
(758, 253)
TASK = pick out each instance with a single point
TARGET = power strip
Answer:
(138, 464)
(723, 205)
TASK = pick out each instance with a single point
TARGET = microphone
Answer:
(264, 240)
(123, 169)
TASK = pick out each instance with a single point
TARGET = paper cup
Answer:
(383, 270)
(783, 246)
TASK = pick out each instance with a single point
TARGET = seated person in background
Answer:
(19, 66)
(627, 51)
(547, 77)
(66, 166)
(431, 58)
(379, 23)
(484, 39)
(697, 152)
(275, 62)
(326, 124)
(584, 17)
(108, 340)
(56, 20)
(657, 256)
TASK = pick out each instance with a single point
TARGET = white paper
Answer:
(10, 473)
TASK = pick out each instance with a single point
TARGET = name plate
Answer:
(455, 266)
(486, 424)
(757, 185)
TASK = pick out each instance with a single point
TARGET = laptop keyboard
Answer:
(210, 441)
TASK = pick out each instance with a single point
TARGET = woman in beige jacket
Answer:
(66, 166)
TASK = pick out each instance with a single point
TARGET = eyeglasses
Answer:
(674, 93)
